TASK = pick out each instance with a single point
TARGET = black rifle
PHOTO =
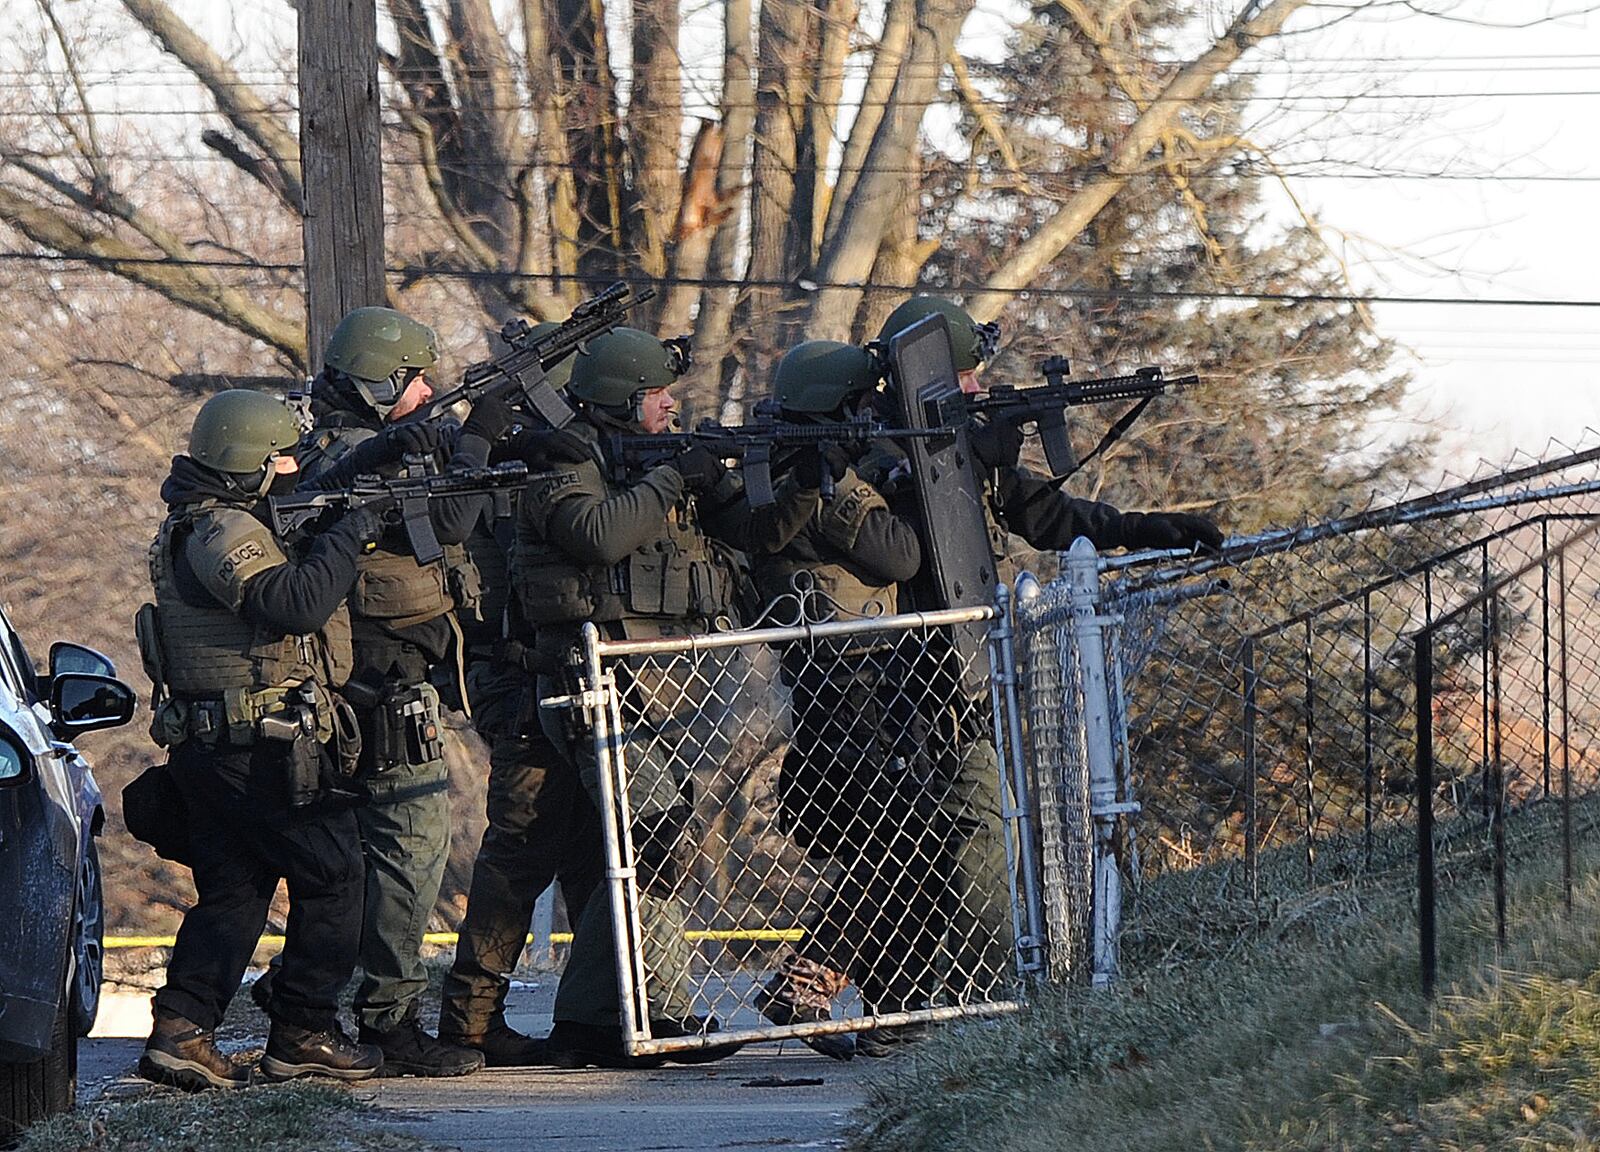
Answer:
(753, 446)
(298, 511)
(520, 373)
(1045, 406)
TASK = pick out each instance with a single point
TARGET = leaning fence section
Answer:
(1264, 718)
(814, 828)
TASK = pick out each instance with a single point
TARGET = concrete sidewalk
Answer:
(769, 1096)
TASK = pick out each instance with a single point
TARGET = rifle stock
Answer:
(297, 512)
(521, 373)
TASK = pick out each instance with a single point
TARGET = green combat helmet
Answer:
(974, 343)
(621, 366)
(380, 350)
(816, 376)
(238, 431)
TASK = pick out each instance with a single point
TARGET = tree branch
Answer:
(236, 100)
(1142, 135)
(197, 289)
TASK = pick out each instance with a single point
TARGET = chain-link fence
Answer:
(813, 827)
(1262, 714)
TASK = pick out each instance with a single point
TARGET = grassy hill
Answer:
(1312, 1034)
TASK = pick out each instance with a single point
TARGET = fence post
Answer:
(1088, 627)
(1423, 660)
(1566, 745)
(1017, 799)
(1252, 845)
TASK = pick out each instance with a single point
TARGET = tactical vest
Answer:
(390, 585)
(488, 555)
(828, 538)
(210, 653)
(676, 576)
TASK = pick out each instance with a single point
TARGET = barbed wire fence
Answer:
(1259, 714)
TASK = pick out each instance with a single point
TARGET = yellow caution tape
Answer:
(694, 936)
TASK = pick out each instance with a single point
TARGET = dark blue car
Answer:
(51, 915)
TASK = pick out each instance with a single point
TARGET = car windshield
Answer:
(15, 664)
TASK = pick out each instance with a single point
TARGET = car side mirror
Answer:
(15, 762)
(83, 702)
(65, 657)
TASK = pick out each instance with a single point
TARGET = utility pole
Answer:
(341, 157)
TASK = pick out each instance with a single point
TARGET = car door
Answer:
(40, 829)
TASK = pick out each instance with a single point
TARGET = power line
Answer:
(1339, 99)
(808, 286)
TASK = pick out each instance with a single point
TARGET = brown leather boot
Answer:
(802, 992)
(184, 1055)
(293, 1051)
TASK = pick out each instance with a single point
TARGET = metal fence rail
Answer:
(1264, 724)
(830, 781)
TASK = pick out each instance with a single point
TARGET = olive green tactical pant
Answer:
(589, 992)
(542, 827)
(405, 839)
(978, 897)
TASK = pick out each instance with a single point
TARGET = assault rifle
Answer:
(520, 373)
(753, 445)
(298, 511)
(1045, 406)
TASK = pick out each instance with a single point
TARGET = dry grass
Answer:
(289, 1117)
(1314, 1036)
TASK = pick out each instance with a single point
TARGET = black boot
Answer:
(293, 1051)
(693, 1026)
(409, 1051)
(890, 1040)
(571, 1045)
(184, 1055)
(502, 1045)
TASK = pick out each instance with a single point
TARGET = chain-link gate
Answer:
(812, 828)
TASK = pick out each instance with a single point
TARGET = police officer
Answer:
(847, 786)
(639, 553)
(403, 620)
(1021, 502)
(542, 826)
(245, 642)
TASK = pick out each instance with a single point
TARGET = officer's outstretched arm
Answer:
(1047, 518)
(594, 528)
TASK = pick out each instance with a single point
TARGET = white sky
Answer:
(1490, 378)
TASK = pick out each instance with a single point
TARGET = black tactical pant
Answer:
(855, 785)
(243, 841)
(542, 827)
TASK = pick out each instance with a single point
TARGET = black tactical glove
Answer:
(420, 438)
(700, 468)
(809, 468)
(539, 448)
(996, 443)
(364, 525)
(490, 417)
(1169, 530)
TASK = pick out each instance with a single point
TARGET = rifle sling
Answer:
(1113, 434)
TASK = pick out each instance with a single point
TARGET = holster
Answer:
(406, 728)
(296, 727)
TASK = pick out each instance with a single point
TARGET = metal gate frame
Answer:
(601, 702)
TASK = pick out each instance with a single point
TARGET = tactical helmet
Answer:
(816, 376)
(625, 363)
(558, 376)
(239, 431)
(380, 350)
(974, 343)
